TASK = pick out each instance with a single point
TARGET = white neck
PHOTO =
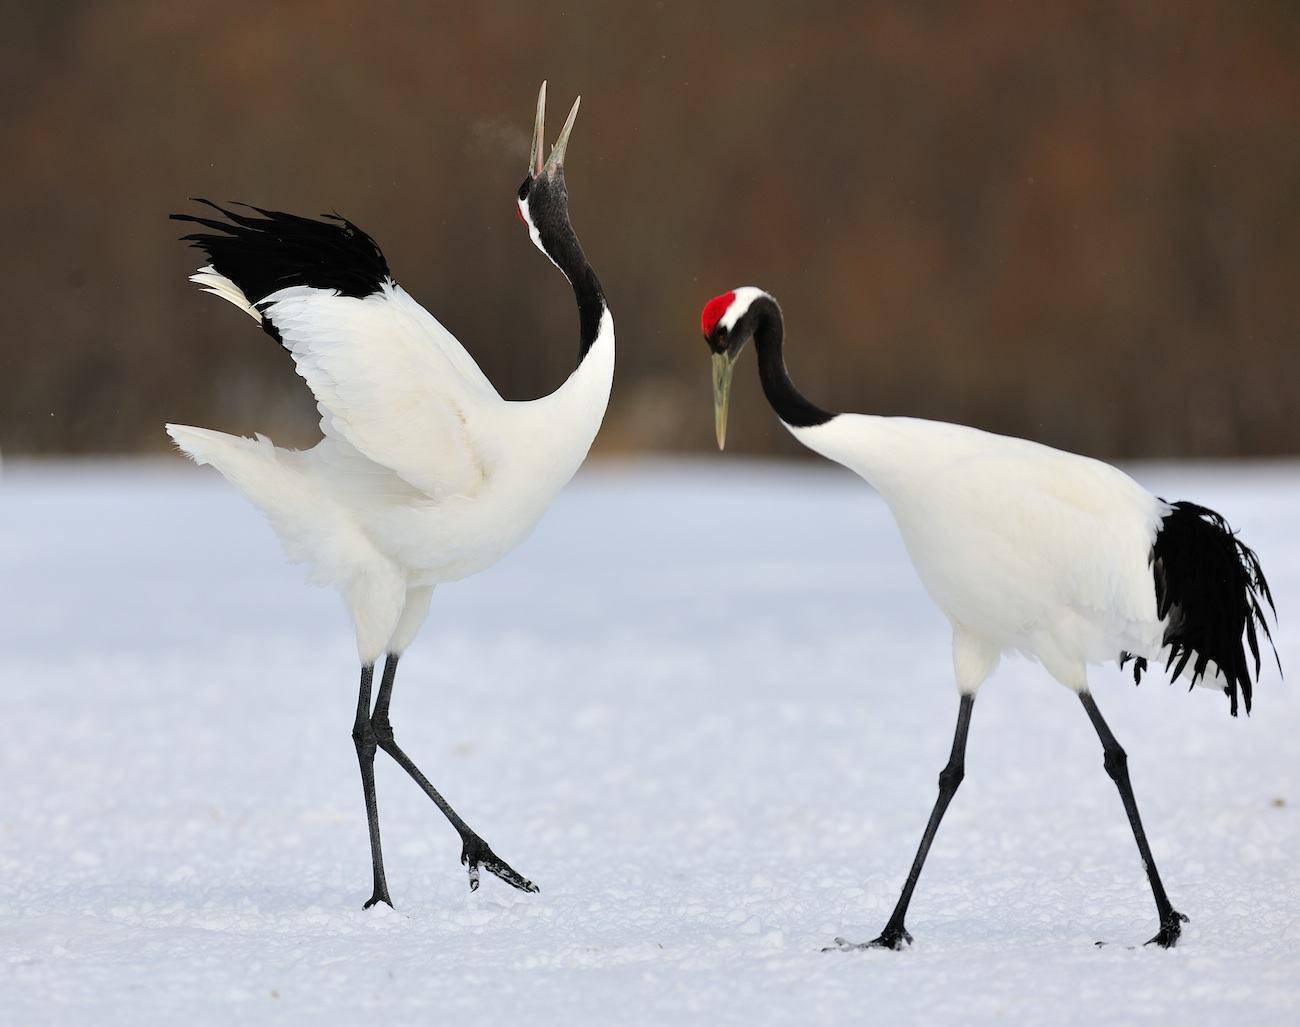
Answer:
(873, 447)
(561, 427)
(588, 385)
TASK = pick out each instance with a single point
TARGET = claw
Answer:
(379, 893)
(509, 875)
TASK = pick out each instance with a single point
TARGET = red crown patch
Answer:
(713, 311)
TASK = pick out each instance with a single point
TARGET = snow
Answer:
(704, 707)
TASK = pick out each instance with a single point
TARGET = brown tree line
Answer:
(1077, 221)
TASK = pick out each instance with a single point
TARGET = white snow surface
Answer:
(704, 708)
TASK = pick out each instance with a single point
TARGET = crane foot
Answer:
(476, 853)
(895, 938)
(1171, 928)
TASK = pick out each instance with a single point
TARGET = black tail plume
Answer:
(1211, 587)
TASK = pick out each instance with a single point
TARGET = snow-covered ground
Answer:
(704, 707)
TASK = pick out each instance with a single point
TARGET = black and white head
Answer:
(543, 199)
(728, 323)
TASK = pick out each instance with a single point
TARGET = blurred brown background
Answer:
(1077, 221)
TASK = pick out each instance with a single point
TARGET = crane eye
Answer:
(523, 189)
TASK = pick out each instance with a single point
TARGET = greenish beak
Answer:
(723, 365)
(556, 160)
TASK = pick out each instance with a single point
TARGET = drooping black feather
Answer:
(1139, 665)
(1210, 586)
(276, 250)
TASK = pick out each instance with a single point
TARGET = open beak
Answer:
(556, 160)
(723, 365)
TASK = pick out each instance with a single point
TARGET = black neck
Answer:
(788, 402)
(562, 246)
(590, 300)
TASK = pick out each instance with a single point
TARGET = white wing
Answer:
(392, 382)
(1050, 542)
(1083, 528)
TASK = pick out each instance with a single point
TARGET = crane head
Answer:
(727, 324)
(543, 198)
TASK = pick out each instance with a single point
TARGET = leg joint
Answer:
(951, 776)
(363, 737)
(1116, 762)
(381, 730)
(372, 732)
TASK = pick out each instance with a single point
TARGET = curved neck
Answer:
(585, 393)
(590, 298)
(788, 402)
(560, 243)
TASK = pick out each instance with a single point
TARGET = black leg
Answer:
(895, 935)
(364, 739)
(1116, 763)
(475, 852)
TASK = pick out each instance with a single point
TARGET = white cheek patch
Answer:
(745, 297)
(535, 235)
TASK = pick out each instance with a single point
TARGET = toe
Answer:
(507, 873)
(476, 854)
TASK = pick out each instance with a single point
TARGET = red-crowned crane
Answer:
(1025, 548)
(425, 474)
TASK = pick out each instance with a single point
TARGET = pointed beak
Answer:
(723, 365)
(539, 128)
(556, 160)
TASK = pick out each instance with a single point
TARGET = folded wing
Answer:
(1079, 532)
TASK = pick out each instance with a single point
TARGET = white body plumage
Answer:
(1023, 547)
(425, 475)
